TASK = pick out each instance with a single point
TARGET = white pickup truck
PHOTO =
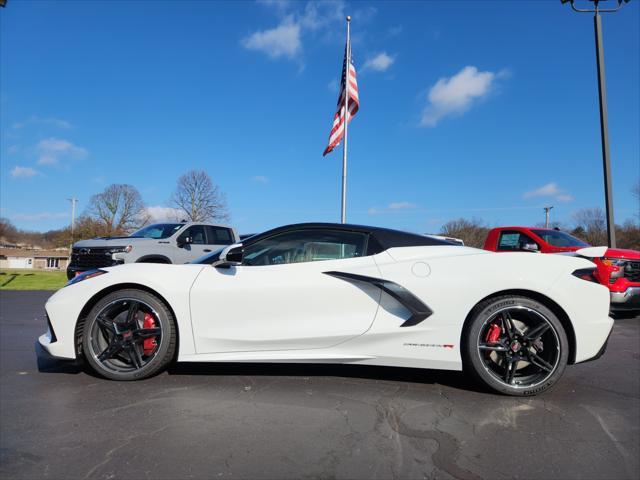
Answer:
(157, 243)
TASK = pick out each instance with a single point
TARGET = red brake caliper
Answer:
(493, 333)
(149, 344)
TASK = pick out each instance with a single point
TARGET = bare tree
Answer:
(199, 199)
(628, 235)
(591, 225)
(119, 209)
(556, 224)
(8, 232)
(473, 232)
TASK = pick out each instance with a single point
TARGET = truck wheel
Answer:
(515, 345)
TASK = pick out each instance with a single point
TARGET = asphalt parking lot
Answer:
(288, 421)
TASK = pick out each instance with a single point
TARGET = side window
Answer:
(306, 246)
(196, 232)
(511, 241)
(219, 236)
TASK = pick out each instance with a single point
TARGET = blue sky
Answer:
(476, 109)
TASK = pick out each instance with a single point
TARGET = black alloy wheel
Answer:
(516, 345)
(129, 335)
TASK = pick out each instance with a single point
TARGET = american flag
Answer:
(337, 131)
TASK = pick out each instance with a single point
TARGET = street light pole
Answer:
(547, 211)
(602, 97)
(604, 131)
(73, 201)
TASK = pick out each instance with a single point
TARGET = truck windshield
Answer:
(158, 230)
(559, 239)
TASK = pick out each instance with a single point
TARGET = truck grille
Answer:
(632, 271)
(94, 257)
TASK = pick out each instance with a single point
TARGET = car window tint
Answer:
(560, 239)
(196, 232)
(514, 241)
(306, 246)
(219, 236)
(159, 230)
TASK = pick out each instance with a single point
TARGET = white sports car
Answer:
(336, 293)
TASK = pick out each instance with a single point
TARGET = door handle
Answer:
(207, 250)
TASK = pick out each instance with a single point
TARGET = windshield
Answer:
(560, 239)
(158, 230)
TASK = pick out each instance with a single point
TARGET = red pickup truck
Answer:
(619, 269)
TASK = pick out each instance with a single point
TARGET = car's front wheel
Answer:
(515, 345)
(129, 335)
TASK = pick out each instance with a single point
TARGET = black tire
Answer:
(515, 363)
(114, 334)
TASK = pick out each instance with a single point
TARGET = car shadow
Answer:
(625, 315)
(48, 364)
(366, 372)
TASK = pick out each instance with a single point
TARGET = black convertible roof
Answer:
(380, 238)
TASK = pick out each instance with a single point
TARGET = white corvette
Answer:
(339, 294)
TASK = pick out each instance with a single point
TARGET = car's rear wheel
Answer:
(129, 335)
(515, 345)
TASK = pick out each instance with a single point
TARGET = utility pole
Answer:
(547, 211)
(602, 97)
(73, 201)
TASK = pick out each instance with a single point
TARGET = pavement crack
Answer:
(448, 450)
(108, 455)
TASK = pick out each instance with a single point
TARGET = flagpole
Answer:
(343, 216)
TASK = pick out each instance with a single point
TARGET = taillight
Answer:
(587, 274)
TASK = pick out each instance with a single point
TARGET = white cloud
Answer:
(401, 205)
(51, 150)
(259, 179)
(379, 63)
(549, 190)
(23, 172)
(394, 31)
(565, 198)
(456, 94)
(35, 119)
(280, 5)
(283, 40)
(296, 19)
(159, 213)
(392, 207)
(317, 15)
(36, 217)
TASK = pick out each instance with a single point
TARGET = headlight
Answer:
(617, 266)
(616, 262)
(85, 276)
(126, 249)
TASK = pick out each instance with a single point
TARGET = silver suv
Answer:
(157, 243)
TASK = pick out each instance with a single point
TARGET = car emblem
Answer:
(84, 251)
(515, 346)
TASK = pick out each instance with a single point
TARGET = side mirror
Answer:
(530, 247)
(184, 241)
(231, 255)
